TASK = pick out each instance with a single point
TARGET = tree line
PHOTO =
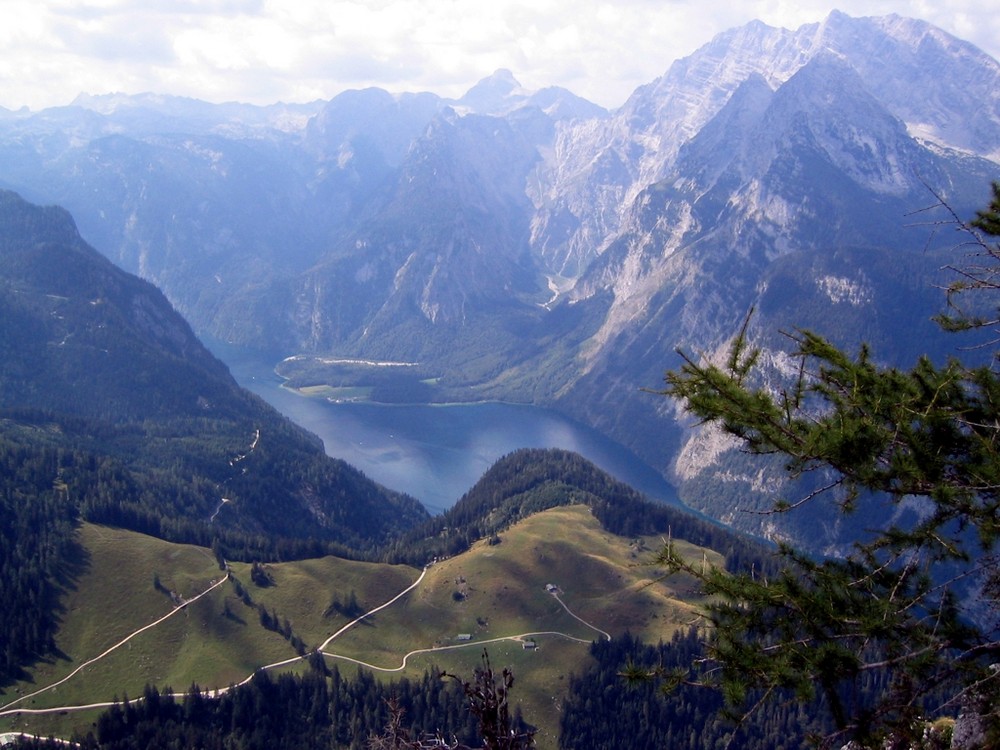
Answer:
(609, 707)
(320, 708)
(38, 553)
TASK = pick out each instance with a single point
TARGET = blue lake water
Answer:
(437, 452)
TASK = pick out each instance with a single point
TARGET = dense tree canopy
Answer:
(927, 442)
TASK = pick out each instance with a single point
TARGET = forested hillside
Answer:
(605, 711)
(531, 480)
(37, 551)
(112, 411)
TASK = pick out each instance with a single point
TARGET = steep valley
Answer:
(414, 228)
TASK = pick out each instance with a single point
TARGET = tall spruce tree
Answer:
(891, 609)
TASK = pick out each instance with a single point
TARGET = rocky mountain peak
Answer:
(501, 94)
(497, 93)
(942, 89)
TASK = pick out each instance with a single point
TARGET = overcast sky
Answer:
(263, 51)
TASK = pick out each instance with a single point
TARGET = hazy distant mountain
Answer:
(501, 94)
(532, 246)
(156, 113)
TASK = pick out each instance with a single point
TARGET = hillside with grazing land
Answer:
(494, 595)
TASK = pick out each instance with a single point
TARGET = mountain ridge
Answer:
(660, 116)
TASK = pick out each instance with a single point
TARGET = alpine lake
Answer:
(435, 452)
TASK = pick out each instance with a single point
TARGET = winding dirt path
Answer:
(7, 708)
(370, 612)
(455, 646)
(577, 617)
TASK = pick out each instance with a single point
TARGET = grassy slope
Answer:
(599, 574)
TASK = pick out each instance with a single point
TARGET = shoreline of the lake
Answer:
(297, 390)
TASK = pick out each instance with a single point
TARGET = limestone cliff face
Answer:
(909, 66)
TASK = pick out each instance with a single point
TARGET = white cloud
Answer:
(265, 50)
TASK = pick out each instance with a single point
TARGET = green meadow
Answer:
(495, 596)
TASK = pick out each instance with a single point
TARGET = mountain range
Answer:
(115, 419)
(534, 247)
(510, 244)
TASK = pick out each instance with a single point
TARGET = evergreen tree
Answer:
(891, 606)
(489, 702)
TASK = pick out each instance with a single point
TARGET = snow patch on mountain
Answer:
(843, 290)
(703, 449)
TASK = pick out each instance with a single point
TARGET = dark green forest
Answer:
(605, 711)
(38, 553)
(630, 690)
(318, 709)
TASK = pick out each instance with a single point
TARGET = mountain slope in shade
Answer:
(101, 363)
(82, 337)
